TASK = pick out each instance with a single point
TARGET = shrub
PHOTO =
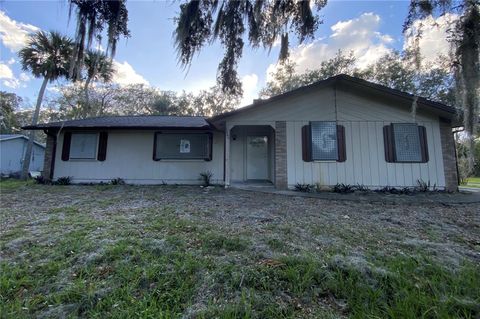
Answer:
(206, 177)
(343, 188)
(117, 181)
(423, 186)
(64, 180)
(306, 188)
(361, 188)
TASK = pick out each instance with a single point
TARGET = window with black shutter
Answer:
(323, 141)
(405, 143)
(84, 146)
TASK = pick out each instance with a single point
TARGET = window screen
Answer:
(407, 142)
(83, 146)
(182, 146)
(324, 141)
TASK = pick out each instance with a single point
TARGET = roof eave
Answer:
(48, 127)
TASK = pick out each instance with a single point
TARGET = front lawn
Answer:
(473, 182)
(186, 252)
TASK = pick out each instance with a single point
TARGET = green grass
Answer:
(11, 184)
(473, 182)
(152, 262)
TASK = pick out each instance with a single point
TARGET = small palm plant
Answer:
(46, 56)
(98, 67)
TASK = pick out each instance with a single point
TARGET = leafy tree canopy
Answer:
(392, 70)
(9, 104)
(138, 99)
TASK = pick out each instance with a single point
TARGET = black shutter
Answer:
(341, 147)
(102, 146)
(67, 139)
(210, 147)
(154, 157)
(306, 144)
(422, 132)
(388, 144)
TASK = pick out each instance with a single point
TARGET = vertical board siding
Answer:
(365, 162)
(129, 156)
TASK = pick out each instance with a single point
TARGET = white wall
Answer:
(363, 116)
(129, 156)
(12, 152)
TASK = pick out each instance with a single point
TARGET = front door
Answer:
(257, 157)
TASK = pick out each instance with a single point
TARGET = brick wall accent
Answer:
(449, 155)
(281, 155)
(49, 156)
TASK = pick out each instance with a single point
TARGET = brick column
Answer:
(49, 158)
(281, 155)
(449, 155)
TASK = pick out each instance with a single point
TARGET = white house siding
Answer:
(12, 152)
(363, 117)
(129, 156)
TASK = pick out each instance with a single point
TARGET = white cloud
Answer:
(250, 89)
(25, 77)
(11, 83)
(433, 41)
(359, 35)
(13, 34)
(5, 71)
(7, 77)
(11, 61)
(125, 74)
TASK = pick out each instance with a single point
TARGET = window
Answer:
(182, 146)
(323, 141)
(405, 143)
(83, 145)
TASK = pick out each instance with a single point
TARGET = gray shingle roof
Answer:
(7, 137)
(129, 122)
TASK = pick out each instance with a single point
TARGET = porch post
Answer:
(281, 155)
(227, 156)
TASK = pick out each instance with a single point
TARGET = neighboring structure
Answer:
(340, 130)
(12, 151)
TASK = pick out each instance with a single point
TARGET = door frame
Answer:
(267, 158)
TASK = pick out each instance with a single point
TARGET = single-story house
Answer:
(12, 151)
(340, 130)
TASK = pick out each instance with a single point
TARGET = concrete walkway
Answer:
(462, 197)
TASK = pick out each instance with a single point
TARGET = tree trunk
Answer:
(31, 136)
(86, 111)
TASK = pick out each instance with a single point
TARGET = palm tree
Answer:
(46, 56)
(98, 67)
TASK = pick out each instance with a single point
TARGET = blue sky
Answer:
(369, 28)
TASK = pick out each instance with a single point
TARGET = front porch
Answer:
(256, 153)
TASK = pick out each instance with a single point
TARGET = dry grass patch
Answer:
(185, 252)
